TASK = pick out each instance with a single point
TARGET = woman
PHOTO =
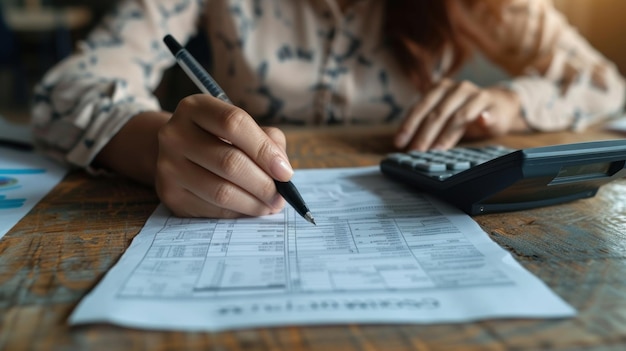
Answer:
(309, 62)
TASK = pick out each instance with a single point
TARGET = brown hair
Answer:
(419, 31)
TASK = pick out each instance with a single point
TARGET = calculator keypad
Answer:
(442, 164)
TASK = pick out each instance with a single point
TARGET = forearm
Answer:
(561, 80)
(132, 152)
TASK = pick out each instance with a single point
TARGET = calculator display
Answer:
(584, 171)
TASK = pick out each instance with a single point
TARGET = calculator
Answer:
(494, 178)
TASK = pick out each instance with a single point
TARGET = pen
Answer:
(203, 80)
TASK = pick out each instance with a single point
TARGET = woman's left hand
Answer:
(453, 110)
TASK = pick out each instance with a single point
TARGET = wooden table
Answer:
(62, 248)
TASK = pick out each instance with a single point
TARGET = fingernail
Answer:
(281, 169)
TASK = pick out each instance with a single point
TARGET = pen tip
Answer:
(309, 217)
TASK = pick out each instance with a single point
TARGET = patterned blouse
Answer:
(307, 62)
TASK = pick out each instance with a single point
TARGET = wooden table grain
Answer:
(68, 241)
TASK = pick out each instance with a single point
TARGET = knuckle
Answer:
(223, 194)
(232, 120)
(265, 149)
(188, 104)
(231, 161)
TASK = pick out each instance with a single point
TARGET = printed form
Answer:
(379, 254)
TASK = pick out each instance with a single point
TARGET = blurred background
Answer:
(35, 34)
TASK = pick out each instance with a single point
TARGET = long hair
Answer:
(419, 31)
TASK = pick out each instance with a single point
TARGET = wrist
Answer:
(133, 151)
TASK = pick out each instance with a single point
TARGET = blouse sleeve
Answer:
(82, 102)
(563, 82)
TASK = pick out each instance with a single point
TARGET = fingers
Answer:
(192, 191)
(236, 126)
(278, 136)
(417, 113)
(232, 164)
(217, 166)
(439, 121)
(473, 111)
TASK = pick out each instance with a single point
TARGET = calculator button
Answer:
(458, 165)
(431, 167)
(442, 164)
(417, 163)
(445, 163)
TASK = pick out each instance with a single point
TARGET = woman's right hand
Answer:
(208, 159)
(215, 161)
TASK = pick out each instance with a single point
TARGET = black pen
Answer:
(203, 80)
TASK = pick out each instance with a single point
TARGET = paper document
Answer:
(25, 178)
(379, 254)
